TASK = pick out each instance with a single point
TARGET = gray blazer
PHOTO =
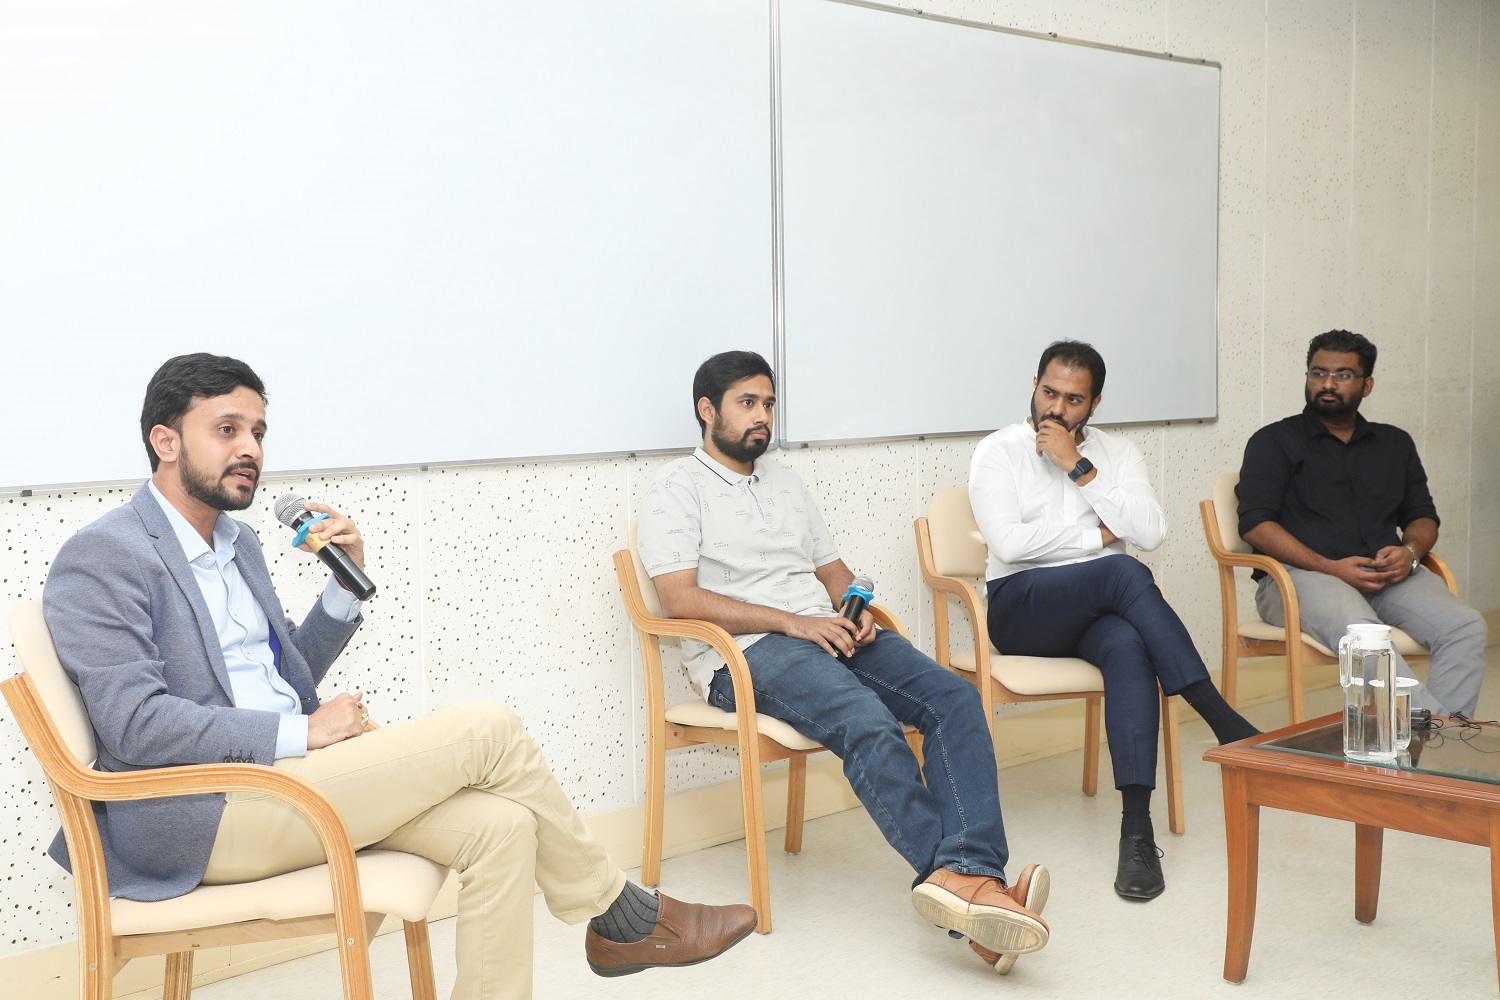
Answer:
(134, 634)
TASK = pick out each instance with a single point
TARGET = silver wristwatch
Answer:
(1415, 561)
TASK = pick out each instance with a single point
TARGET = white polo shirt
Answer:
(757, 539)
(1031, 514)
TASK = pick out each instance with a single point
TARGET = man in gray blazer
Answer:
(163, 614)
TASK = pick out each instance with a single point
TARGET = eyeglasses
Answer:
(1342, 378)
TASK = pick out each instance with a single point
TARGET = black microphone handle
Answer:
(347, 570)
(853, 608)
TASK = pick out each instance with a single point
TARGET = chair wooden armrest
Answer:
(886, 620)
(723, 643)
(1435, 563)
(25, 701)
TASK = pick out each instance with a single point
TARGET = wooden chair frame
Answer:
(102, 954)
(754, 749)
(1298, 655)
(996, 693)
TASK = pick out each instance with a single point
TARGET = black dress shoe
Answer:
(1139, 875)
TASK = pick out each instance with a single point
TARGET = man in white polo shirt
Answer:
(733, 538)
(1056, 501)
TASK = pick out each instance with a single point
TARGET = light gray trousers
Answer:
(1421, 606)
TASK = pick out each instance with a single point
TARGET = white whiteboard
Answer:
(440, 230)
(955, 199)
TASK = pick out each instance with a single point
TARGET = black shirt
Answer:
(1338, 499)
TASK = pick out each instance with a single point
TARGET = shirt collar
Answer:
(724, 472)
(226, 530)
(1316, 426)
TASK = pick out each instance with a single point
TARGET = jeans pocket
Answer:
(720, 691)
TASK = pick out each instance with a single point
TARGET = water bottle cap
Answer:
(1376, 632)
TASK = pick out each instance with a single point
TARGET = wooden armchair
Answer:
(349, 896)
(759, 738)
(1254, 637)
(952, 553)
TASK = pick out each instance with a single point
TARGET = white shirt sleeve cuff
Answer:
(1096, 538)
(339, 603)
(291, 736)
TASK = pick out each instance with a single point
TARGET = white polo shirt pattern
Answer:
(757, 539)
(1031, 514)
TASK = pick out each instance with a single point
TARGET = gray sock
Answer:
(630, 917)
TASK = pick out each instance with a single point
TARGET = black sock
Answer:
(1227, 724)
(1135, 821)
(629, 918)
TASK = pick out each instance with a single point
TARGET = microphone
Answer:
(859, 595)
(291, 510)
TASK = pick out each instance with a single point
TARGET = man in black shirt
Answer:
(1343, 503)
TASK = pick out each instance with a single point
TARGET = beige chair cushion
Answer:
(403, 885)
(1227, 513)
(1038, 675)
(1405, 644)
(642, 578)
(701, 713)
(958, 549)
(33, 642)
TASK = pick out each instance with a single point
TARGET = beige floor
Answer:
(845, 926)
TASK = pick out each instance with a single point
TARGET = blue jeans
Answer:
(1109, 612)
(856, 711)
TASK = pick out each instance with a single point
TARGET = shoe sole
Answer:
(1035, 901)
(1139, 895)
(610, 972)
(995, 928)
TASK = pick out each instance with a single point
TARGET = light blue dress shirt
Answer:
(243, 628)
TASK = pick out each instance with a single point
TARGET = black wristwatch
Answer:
(1083, 468)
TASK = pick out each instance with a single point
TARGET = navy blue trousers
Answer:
(1109, 612)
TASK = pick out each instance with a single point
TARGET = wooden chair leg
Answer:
(419, 961)
(1171, 748)
(755, 844)
(914, 740)
(1295, 704)
(796, 801)
(656, 796)
(1091, 713)
(1229, 673)
(178, 984)
(96, 967)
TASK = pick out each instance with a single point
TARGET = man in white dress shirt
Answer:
(1057, 501)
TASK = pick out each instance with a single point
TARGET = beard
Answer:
(201, 486)
(742, 449)
(1036, 419)
(1331, 404)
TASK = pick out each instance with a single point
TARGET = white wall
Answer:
(1361, 188)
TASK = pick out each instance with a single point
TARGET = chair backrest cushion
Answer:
(958, 549)
(33, 641)
(1227, 512)
(642, 578)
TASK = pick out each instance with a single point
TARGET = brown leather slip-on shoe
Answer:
(1031, 891)
(685, 934)
(981, 909)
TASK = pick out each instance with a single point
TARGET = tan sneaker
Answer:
(982, 909)
(1031, 891)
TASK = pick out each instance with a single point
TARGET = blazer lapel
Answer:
(170, 550)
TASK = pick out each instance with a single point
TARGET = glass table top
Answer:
(1455, 751)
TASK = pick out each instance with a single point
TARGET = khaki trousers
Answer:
(464, 786)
